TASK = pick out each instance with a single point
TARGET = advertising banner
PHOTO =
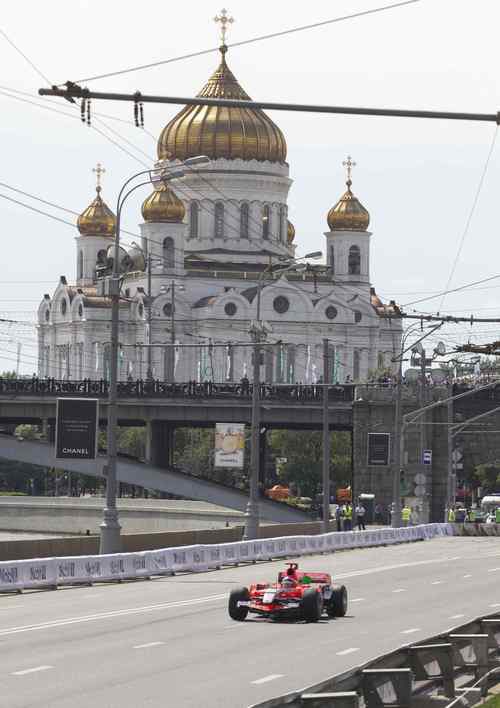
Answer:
(229, 444)
(77, 420)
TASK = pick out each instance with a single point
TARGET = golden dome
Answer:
(163, 205)
(348, 214)
(290, 232)
(97, 219)
(232, 133)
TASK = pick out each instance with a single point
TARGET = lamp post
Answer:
(256, 330)
(110, 541)
(170, 370)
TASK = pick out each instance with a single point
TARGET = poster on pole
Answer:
(229, 444)
(378, 448)
(77, 421)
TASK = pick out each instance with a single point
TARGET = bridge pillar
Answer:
(160, 443)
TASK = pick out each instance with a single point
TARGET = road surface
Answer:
(170, 641)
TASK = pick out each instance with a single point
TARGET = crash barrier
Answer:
(456, 665)
(52, 572)
(472, 529)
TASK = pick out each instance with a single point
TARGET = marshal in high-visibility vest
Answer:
(497, 515)
(451, 515)
(348, 512)
(405, 514)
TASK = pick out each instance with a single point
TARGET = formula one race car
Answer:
(296, 595)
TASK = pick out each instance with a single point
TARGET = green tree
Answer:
(488, 475)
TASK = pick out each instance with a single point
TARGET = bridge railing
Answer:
(142, 388)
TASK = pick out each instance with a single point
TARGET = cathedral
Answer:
(213, 262)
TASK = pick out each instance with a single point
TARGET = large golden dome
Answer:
(163, 205)
(348, 214)
(97, 219)
(232, 133)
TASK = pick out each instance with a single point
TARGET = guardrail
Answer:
(294, 393)
(458, 663)
(16, 576)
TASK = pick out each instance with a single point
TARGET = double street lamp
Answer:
(258, 333)
(110, 541)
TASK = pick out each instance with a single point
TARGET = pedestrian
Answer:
(360, 516)
(338, 517)
(405, 515)
(379, 518)
(451, 515)
(348, 517)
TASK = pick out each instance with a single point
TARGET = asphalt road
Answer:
(170, 641)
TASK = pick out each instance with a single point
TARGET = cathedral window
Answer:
(244, 220)
(219, 220)
(101, 257)
(64, 307)
(194, 214)
(355, 365)
(266, 221)
(230, 309)
(290, 363)
(283, 224)
(168, 252)
(357, 316)
(281, 304)
(80, 310)
(354, 260)
(47, 315)
(80, 264)
(331, 312)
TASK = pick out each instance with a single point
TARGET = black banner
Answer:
(76, 428)
(378, 448)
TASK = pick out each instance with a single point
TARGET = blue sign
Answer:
(427, 457)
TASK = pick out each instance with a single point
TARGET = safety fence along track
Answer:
(53, 572)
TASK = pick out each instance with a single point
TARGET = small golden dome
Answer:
(97, 219)
(348, 214)
(231, 133)
(163, 205)
(290, 232)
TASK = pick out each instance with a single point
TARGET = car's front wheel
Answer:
(236, 596)
(311, 605)
(337, 606)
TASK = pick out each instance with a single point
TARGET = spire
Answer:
(97, 219)
(348, 164)
(98, 170)
(348, 214)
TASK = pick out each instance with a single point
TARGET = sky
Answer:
(418, 179)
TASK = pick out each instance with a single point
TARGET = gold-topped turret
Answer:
(231, 133)
(97, 219)
(348, 214)
(163, 205)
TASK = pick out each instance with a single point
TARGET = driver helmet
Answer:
(288, 582)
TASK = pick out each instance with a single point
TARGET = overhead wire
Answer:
(252, 40)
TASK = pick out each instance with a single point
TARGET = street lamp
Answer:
(258, 333)
(171, 356)
(110, 541)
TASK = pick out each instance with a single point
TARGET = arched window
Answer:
(332, 260)
(244, 220)
(101, 257)
(219, 220)
(194, 214)
(80, 265)
(290, 363)
(266, 221)
(168, 252)
(355, 365)
(283, 224)
(354, 260)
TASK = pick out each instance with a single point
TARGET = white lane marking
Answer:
(437, 582)
(265, 679)
(31, 671)
(358, 599)
(455, 617)
(492, 570)
(411, 631)
(399, 590)
(495, 604)
(110, 615)
(347, 651)
(467, 576)
(149, 644)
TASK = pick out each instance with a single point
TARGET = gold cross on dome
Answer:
(349, 164)
(224, 21)
(99, 170)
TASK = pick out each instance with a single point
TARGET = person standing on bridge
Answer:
(451, 515)
(360, 512)
(405, 515)
(348, 517)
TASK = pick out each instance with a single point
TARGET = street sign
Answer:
(378, 448)
(427, 457)
(419, 478)
(77, 421)
(420, 490)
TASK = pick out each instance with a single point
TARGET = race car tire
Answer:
(337, 606)
(238, 613)
(311, 605)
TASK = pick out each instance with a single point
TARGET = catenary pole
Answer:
(326, 439)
